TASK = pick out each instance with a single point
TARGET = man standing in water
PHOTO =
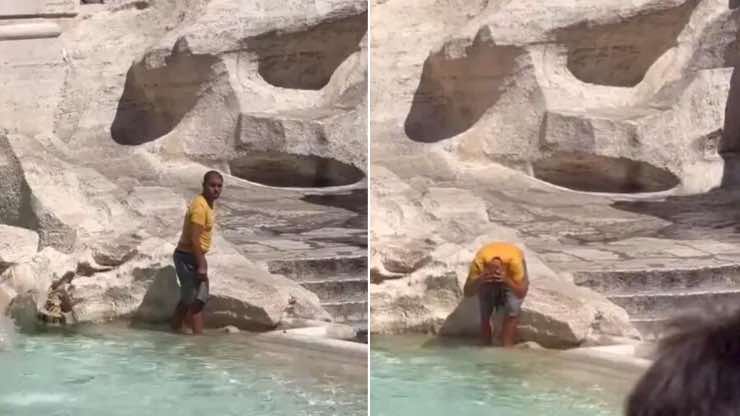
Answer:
(190, 255)
(498, 275)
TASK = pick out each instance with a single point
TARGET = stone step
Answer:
(352, 289)
(625, 282)
(348, 312)
(667, 304)
(310, 269)
(338, 277)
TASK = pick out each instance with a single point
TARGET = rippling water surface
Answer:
(416, 376)
(110, 371)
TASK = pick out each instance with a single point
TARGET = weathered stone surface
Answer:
(34, 276)
(605, 81)
(591, 132)
(556, 313)
(23, 309)
(31, 8)
(17, 244)
(7, 332)
(112, 113)
(145, 288)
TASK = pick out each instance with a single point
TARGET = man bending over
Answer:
(498, 276)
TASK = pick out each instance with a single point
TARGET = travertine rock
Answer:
(522, 82)
(111, 113)
(556, 313)
(16, 244)
(562, 126)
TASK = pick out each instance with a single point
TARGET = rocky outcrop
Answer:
(17, 244)
(598, 135)
(112, 113)
(144, 287)
(520, 82)
(556, 313)
(421, 262)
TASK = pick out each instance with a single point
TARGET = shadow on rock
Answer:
(161, 298)
(307, 59)
(729, 146)
(455, 92)
(155, 99)
(692, 216)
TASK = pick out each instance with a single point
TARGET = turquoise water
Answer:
(415, 376)
(122, 371)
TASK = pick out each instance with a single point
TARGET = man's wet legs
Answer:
(485, 301)
(179, 317)
(486, 331)
(508, 331)
(196, 315)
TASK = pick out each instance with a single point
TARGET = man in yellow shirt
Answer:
(190, 256)
(498, 275)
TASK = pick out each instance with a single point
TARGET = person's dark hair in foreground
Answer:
(697, 370)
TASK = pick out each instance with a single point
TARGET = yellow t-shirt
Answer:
(198, 213)
(511, 256)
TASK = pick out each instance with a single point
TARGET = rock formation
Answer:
(600, 136)
(111, 113)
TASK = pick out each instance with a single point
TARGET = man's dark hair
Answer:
(212, 173)
(697, 370)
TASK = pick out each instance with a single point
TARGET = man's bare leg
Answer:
(508, 331)
(178, 317)
(486, 331)
(196, 313)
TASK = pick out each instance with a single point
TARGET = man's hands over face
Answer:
(491, 275)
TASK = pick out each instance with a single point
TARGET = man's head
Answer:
(496, 266)
(697, 370)
(213, 182)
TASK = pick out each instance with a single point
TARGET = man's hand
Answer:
(490, 276)
(202, 272)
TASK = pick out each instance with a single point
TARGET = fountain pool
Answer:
(419, 375)
(117, 370)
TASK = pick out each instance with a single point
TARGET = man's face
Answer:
(212, 187)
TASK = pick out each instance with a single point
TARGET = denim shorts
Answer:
(496, 297)
(191, 288)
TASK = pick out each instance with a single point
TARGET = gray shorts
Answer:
(496, 297)
(191, 288)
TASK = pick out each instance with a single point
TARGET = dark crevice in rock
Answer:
(156, 99)
(455, 92)
(306, 59)
(729, 144)
(16, 207)
(594, 173)
(619, 54)
(292, 170)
